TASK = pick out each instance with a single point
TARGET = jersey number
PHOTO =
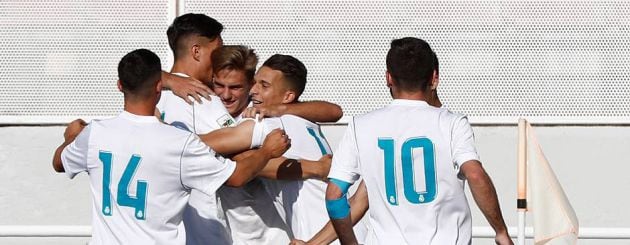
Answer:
(123, 198)
(317, 136)
(407, 159)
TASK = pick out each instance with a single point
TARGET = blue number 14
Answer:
(388, 145)
(123, 198)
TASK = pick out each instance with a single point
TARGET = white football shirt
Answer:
(199, 118)
(409, 154)
(300, 202)
(141, 172)
(250, 211)
(201, 218)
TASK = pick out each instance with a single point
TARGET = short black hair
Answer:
(293, 70)
(411, 62)
(138, 72)
(191, 24)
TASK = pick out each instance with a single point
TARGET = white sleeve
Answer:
(345, 162)
(200, 169)
(263, 128)
(463, 142)
(211, 115)
(74, 156)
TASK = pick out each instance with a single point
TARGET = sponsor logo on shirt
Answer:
(226, 121)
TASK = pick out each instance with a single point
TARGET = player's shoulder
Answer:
(167, 129)
(293, 119)
(450, 116)
(213, 101)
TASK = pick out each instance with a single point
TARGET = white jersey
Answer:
(250, 211)
(141, 172)
(409, 154)
(201, 218)
(199, 118)
(300, 202)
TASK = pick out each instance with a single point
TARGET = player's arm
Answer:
(185, 87)
(230, 140)
(275, 144)
(485, 196)
(314, 111)
(283, 168)
(339, 210)
(481, 187)
(358, 207)
(72, 130)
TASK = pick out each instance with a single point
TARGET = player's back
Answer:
(201, 217)
(407, 154)
(199, 118)
(302, 200)
(135, 167)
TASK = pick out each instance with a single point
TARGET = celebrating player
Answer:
(139, 184)
(414, 159)
(249, 210)
(280, 81)
(193, 38)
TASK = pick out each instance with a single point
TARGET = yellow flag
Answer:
(555, 221)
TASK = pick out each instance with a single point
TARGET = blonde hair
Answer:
(235, 57)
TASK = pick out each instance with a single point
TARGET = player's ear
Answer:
(195, 51)
(158, 86)
(435, 81)
(119, 86)
(390, 80)
(289, 97)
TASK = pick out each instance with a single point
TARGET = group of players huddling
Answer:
(249, 164)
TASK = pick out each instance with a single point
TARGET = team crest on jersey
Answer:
(225, 121)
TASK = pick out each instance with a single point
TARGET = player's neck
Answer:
(184, 67)
(142, 108)
(430, 97)
(404, 95)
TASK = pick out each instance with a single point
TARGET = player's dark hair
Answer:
(138, 72)
(293, 70)
(411, 63)
(235, 57)
(188, 25)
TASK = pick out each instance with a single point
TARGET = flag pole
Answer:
(521, 202)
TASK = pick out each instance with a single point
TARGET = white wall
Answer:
(589, 162)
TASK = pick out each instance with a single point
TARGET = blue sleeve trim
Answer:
(339, 208)
(343, 186)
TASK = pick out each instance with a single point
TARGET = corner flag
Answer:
(555, 221)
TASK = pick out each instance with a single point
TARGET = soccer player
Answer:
(139, 184)
(193, 38)
(280, 81)
(257, 222)
(414, 159)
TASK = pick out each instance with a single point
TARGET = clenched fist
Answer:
(276, 143)
(73, 129)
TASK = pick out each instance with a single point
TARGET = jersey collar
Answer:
(409, 102)
(138, 118)
(180, 74)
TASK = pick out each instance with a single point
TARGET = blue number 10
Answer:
(387, 145)
(123, 197)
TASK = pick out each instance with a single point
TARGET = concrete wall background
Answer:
(590, 162)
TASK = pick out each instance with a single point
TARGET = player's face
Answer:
(268, 88)
(233, 87)
(205, 51)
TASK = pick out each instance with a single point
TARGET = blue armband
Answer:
(339, 208)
